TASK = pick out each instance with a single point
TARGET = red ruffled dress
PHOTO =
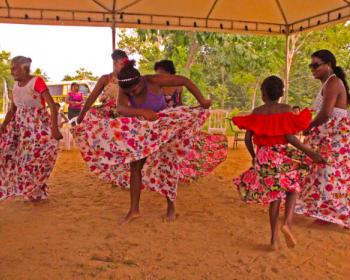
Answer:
(278, 167)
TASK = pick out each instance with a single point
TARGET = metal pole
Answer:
(287, 67)
(113, 34)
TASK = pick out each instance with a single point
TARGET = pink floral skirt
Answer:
(27, 154)
(277, 169)
(326, 189)
(109, 145)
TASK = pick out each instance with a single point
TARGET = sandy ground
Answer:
(76, 234)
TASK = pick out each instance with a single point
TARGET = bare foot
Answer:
(170, 218)
(170, 213)
(130, 216)
(275, 247)
(275, 244)
(290, 239)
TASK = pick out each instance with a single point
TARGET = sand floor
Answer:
(76, 233)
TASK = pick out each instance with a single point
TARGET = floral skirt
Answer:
(27, 154)
(277, 169)
(109, 145)
(208, 151)
(326, 190)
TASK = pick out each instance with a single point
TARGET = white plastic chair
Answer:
(68, 139)
(218, 121)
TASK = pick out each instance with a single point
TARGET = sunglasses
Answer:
(314, 66)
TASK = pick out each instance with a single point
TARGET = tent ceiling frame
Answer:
(120, 18)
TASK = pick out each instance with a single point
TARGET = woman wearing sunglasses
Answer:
(325, 193)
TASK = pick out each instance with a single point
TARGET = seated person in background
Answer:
(296, 110)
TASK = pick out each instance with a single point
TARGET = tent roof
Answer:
(254, 16)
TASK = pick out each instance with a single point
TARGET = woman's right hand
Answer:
(149, 115)
(316, 157)
(56, 133)
(2, 129)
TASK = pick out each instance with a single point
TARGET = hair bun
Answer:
(130, 63)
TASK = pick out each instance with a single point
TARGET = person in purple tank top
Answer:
(146, 144)
(141, 96)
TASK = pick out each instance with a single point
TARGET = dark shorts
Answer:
(73, 113)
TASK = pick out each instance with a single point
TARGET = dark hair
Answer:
(296, 107)
(73, 84)
(328, 57)
(58, 104)
(166, 65)
(273, 86)
(118, 54)
(129, 75)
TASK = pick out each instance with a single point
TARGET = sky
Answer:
(60, 50)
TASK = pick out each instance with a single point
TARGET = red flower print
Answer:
(125, 120)
(27, 134)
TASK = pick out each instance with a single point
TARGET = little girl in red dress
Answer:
(277, 168)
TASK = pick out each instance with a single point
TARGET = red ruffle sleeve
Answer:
(271, 129)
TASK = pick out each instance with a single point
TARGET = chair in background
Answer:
(238, 135)
(218, 121)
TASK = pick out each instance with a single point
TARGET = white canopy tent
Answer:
(254, 16)
(275, 17)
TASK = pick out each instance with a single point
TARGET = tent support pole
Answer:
(287, 68)
(113, 33)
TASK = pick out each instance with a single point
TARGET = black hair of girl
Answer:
(73, 84)
(328, 57)
(273, 87)
(118, 54)
(166, 65)
(129, 76)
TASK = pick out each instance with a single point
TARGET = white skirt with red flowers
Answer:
(27, 154)
(325, 191)
(173, 146)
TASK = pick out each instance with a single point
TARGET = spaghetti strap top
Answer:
(155, 102)
(337, 112)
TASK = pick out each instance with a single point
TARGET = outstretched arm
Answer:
(51, 103)
(316, 157)
(93, 96)
(177, 80)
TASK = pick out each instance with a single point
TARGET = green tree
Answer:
(41, 73)
(230, 68)
(5, 73)
(81, 74)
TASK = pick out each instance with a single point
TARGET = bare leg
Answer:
(288, 216)
(274, 209)
(170, 213)
(135, 190)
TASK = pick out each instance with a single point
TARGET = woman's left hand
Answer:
(206, 103)
(56, 133)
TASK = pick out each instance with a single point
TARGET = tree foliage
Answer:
(230, 68)
(81, 74)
